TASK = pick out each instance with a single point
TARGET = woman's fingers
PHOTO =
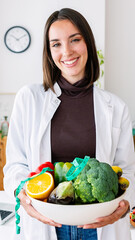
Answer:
(26, 203)
(24, 199)
(103, 221)
(33, 213)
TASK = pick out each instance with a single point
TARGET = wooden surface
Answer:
(134, 139)
(2, 159)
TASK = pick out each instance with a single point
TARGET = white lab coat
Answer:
(29, 145)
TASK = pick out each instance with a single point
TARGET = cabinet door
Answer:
(2, 159)
(1, 178)
(3, 151)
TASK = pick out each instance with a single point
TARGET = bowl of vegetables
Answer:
(79, 199)
(76, 214)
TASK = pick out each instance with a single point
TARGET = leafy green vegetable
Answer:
(97, 182)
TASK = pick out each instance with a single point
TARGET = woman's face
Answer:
(68, 50)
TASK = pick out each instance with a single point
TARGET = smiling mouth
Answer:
(70, 62)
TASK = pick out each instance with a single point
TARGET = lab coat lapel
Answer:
(103, 120)
(51, 103)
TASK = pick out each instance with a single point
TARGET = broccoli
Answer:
(97, 182)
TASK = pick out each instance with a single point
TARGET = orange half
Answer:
(41, 186)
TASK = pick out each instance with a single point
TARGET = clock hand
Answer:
(14, 37)
(21, 36)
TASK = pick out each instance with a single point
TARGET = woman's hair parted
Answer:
(51, 72)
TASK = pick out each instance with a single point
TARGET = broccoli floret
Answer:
(96, 182)
(83, 190)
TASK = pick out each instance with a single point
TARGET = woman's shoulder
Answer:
(108, 96)
(29, 94)
(31, 89)
(36, 93)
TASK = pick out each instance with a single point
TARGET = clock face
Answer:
(17, 39)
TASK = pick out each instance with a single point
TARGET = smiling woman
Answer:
(69, 49)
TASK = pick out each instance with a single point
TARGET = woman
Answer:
(66, 117)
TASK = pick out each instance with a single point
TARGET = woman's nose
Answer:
(67, 50)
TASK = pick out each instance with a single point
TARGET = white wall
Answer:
(120, 50)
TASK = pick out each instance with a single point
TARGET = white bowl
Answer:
(76, 214)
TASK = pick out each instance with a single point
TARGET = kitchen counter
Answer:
(8, 228)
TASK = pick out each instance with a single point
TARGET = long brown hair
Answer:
(51, 72)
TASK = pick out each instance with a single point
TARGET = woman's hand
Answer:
(115, 216)
(26, 203)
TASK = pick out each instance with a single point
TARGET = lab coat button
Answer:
(56, 101)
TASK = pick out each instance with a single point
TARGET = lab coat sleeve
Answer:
(16, 168)
(125, 155)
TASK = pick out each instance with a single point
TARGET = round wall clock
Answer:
(17, 39)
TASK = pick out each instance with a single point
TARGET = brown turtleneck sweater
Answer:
(73, 131)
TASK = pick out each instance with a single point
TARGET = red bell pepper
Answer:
(31, 174)
(45, 165)
(39, 169)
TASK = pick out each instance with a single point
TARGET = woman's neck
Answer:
(73, 79)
